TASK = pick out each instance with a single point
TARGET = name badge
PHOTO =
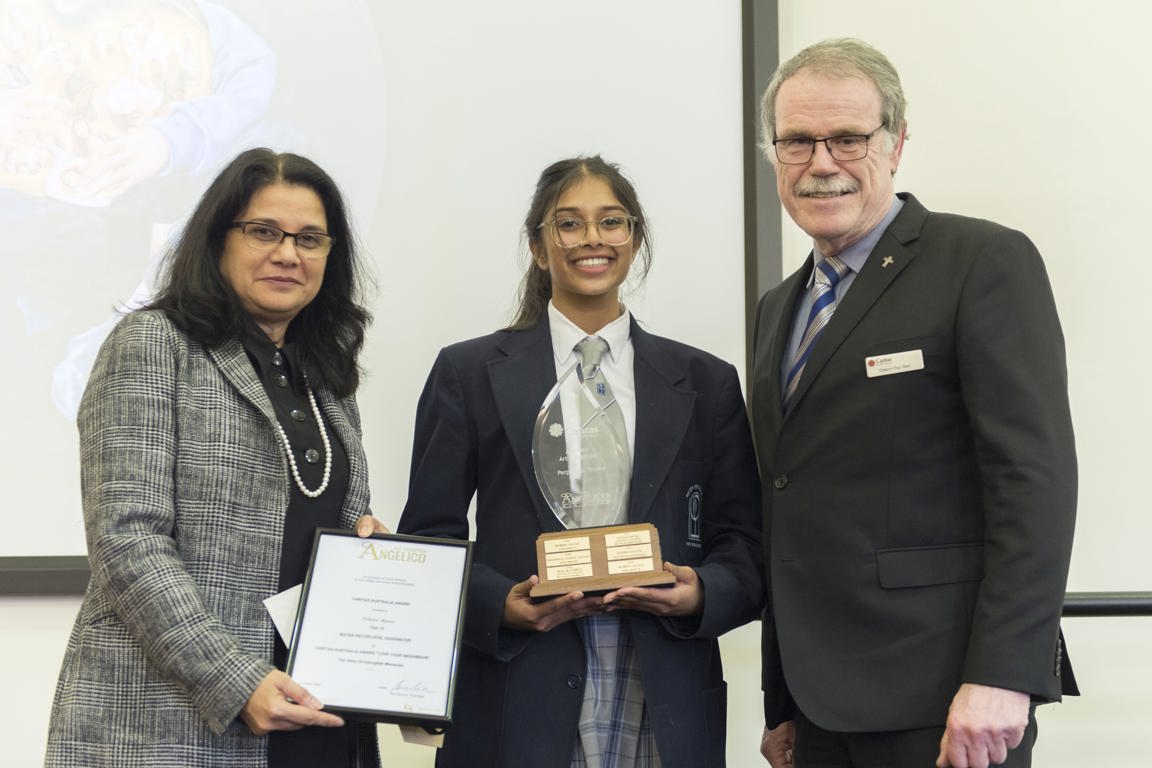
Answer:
(897, 362)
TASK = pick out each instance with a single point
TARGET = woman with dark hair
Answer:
(219, 428)
(631, 678)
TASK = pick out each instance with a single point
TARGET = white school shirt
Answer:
(616, 364)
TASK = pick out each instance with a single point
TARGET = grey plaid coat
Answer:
(185, 485)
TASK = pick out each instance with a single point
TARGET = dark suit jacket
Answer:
(918, 525)
(518, 693)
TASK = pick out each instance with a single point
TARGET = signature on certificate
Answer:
(406, 687)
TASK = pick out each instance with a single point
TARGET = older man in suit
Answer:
(910, 408)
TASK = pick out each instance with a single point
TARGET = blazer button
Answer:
(574, 681)
(781, 482)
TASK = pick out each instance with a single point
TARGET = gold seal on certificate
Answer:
(379, 626)
(583, 465)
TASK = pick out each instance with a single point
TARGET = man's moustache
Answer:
(810, 187)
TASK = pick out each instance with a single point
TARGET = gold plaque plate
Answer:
(598, 560)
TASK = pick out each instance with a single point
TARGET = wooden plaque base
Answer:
(597, 560)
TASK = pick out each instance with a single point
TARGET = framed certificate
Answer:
(378, 630)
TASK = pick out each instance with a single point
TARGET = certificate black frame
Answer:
(432, 723)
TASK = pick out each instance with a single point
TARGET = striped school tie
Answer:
(828, 273)
(603, 415)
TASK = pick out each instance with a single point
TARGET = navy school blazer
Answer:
(519, 693)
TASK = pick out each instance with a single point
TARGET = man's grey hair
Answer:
(837, 58)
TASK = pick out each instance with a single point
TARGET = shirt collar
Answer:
(566, 335)
(261, 351)
(856, 254)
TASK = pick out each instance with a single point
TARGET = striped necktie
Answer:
(828, 273)
(603, 430)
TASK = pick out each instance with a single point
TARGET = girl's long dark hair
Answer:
(329, 331)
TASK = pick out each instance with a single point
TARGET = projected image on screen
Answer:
(114, 116)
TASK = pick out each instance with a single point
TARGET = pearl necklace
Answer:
(327, 451)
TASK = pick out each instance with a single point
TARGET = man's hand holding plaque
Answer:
(583, 465)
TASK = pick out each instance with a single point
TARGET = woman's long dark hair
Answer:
(329, 331)
(536, 287)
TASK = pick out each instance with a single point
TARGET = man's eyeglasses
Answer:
(569, 232)
(264, 237)
(852, 146)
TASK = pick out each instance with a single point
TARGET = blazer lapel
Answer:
(888, 259)
(355, 501)
(233, 362)
(781, 316)
(343, 428)
(521, 378)
(663, 409)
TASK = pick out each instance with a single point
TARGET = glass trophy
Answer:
(581, 456)
(584, 469)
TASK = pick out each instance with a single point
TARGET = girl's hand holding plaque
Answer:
(582, 463)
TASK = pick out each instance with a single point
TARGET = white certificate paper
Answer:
(378, 632)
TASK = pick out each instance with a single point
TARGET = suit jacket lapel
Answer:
(663, 409)
(233, 362)
(521, 378)
(343, 428)
(355, 500)
(781, 317)
(887, 260)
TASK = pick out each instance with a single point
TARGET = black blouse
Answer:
(279, 371)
